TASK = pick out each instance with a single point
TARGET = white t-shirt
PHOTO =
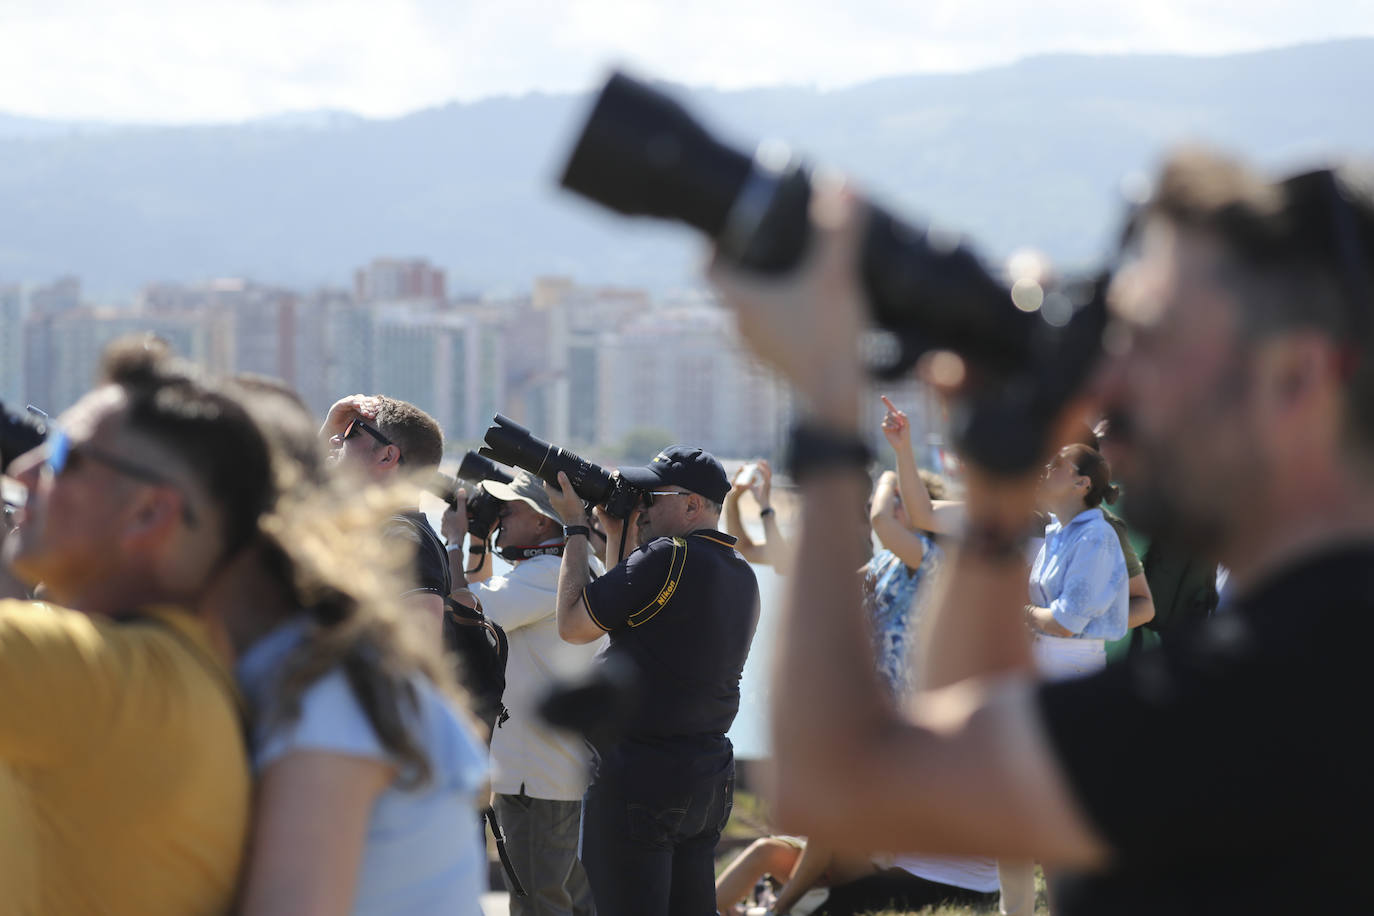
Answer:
(551, 764)
(971, 874)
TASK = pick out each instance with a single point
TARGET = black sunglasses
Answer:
(358, 425)
(651, 495)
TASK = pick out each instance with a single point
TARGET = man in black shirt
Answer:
(1240, 382)
(681, 611)
(382, 439)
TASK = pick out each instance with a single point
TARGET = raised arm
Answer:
(733, 522)
(895, 536)
(575, 623)
(454, 527)
(969, 771)
(897, 431)
(777, 552)
(345, 409)
(945, 517)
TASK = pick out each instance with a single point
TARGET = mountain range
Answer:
(1033, 153)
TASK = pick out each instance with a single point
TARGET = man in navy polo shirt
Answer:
(681, 611)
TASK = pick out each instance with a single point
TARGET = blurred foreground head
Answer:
(144, 489)
(1242, 370)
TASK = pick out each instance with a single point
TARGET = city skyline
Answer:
(591, 367)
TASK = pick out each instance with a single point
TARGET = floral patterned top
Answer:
(894, 596)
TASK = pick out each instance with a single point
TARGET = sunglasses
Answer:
(357, 426)
(650, 495)
(61, 455)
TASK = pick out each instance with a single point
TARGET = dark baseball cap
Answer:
(682, 466)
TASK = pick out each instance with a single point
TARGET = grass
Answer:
(750, 820)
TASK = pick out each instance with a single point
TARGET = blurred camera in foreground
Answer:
(640, 153)
(19, 433)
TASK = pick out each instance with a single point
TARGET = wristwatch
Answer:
(571, 530)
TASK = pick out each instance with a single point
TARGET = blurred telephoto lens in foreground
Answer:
(642, 154)
(19, 433)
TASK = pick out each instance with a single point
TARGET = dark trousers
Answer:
(650, 824)
(541, 835)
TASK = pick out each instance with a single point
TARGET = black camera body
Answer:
(510, 443)
(482, 508)
(19, 433)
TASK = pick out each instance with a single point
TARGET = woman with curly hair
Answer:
(368, 765)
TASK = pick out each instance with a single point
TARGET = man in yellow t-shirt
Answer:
(124, 784)
(122, 778)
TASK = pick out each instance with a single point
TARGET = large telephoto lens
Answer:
(510, 443)
(642, 154)
(475, 468)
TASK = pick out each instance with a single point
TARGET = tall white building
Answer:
(573, 319)
(76, 339)
(684, 371)
(448, 365)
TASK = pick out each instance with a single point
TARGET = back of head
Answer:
(1300, 255)
(207, 428)
(414, 432)
(286, 421)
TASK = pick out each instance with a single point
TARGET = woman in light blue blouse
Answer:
(1078, 584)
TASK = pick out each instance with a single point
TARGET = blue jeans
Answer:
(650, 824)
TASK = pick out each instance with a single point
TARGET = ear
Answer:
(1298, 395)
(152, 516)
(1297, 375)
(390, 454)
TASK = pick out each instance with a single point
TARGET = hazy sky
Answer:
(185, 60)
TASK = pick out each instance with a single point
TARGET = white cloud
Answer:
(178, 60)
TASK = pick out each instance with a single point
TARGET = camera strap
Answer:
(514, 554)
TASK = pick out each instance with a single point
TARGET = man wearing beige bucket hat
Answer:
(539, 774)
